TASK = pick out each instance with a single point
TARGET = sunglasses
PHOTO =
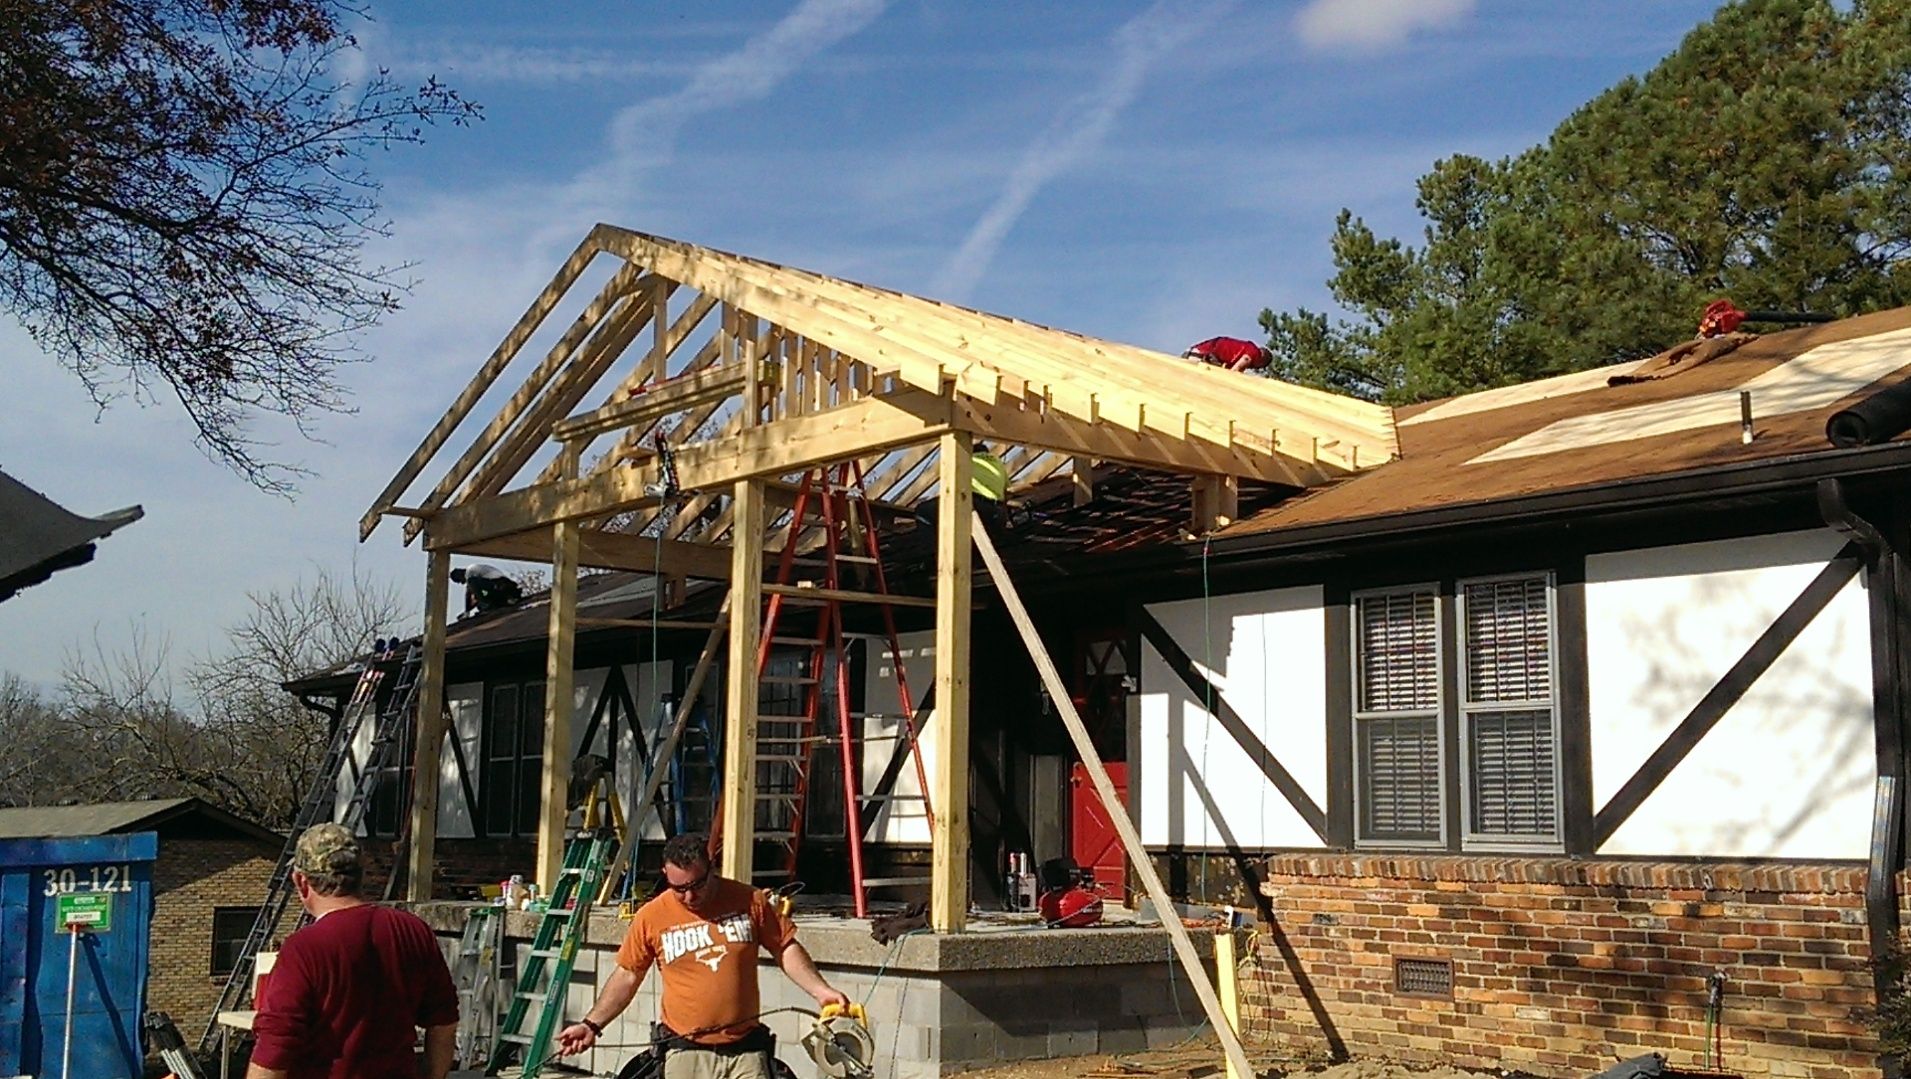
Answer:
(692, 886)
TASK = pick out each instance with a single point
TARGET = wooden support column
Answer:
(1112, 805)
(1082, 470)
(431, 731)
(740, 678)
(949, 855)
(555, 788)
(1217, 502)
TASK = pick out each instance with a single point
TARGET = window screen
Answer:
(1397, 721)
(1511, 732)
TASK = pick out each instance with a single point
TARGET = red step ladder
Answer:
(831, 499)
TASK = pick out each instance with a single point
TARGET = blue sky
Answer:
(1152, 173)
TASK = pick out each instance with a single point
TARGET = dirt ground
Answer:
(1202, 1060)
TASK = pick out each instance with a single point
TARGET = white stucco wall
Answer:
(905, 821)
(1197, 786)
(1788, 771)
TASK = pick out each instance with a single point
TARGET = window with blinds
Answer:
(1397, 716)
(1510, 727)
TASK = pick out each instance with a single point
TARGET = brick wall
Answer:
(190, 879)
(1559, 967)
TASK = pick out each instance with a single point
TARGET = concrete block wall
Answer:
(1559, 967)
(936, 1005)
(191, 878)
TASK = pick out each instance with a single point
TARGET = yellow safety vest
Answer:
(989, 477)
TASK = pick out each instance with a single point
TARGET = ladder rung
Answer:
(812, 642)
(843, 595)
(894, 798)
(525, 994)
(786, 680)
(518, 1039)
(546, 953)
(892, 882)
(775, 835)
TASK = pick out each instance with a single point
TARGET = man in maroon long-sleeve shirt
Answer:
(349, 991)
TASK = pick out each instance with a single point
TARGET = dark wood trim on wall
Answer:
(1721, 697)
(1452, 653)
(1338, 625)
(1224, 714)
(1575, 705)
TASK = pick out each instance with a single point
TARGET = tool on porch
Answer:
(840, 1044)
(848, 552)
(163, 1035)
(1069, 899)
(538, 1002)
(389, 713)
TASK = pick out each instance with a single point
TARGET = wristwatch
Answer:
(596, 1029)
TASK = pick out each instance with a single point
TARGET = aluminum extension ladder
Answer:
(388, 722)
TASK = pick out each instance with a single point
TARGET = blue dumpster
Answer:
(107, 882)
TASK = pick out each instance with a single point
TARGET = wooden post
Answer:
(740, 676)
(949, 854)
(552, 810)
(1082, 469)
(431, 731)
(1111, 804)
(1225, 972)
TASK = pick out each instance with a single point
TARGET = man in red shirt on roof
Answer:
(350, 990)
(1231, 353)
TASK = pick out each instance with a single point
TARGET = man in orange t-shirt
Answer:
(703, 933)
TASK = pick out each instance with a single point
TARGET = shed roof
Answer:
(112, 818)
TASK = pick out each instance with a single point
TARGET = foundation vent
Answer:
(1419, 977)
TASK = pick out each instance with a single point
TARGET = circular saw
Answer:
(840, 1044)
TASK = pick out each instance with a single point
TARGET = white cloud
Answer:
(1373, 25)
(1075, 132)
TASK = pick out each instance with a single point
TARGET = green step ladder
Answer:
(546, 975)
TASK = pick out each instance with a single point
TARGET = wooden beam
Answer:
(493, 366)
(1055, 431)
(949, 847)
(554, 790)
(797, 591)
(770, 450)
(425, 773)
(611, 550)
(1216, 502)
(646, 802)
(1112, 805)
(676, 395)
(1228, 974)
(740, 676)
(1082, 469)
(604, 312)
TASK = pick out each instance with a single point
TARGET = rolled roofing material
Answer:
(1878, 418)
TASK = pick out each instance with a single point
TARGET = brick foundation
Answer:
(1559, 967)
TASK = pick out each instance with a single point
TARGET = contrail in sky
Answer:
(1076, 131)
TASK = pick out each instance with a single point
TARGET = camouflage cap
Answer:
(325, 848)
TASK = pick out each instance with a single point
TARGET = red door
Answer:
(1093, 842)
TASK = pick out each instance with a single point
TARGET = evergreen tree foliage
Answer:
(1764, 161)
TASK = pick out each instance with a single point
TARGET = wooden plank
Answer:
(630, 441)
(611, 550)
(1083, 471)
(430, 731)
(1228, 974)
(949, 799)
(676, 395)
(487, 464)
(1053, 431)
(740, 677)
(646, 802)
(488, 373)
(772, 450)
(553, 791)
(1112, 805)
(892, 599)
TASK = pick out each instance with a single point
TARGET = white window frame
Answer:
(1471, 840)
(1439, 714)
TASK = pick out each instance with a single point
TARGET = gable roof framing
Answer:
(802, 369)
